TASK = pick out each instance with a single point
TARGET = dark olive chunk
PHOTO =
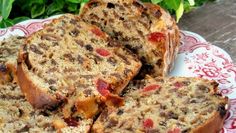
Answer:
(89, 47)
(110, 5)
(120, 112)
(222, 110)
(3, 68)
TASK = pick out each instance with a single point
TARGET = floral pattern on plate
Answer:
(196, 58)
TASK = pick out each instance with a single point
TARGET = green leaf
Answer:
(73, 1)
(191, 2)
(84, 1)
(156, 1)
(6, 6)
(6, 23)
(19, 19)
(72, 7)
(173, 4)
(56, 6)
(180, 11)
(187, 7)
(28, 4)
(33, 2)
(37, 10)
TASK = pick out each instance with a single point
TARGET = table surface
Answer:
(216, 22)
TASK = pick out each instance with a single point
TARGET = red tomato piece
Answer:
(151, 87)
(148, 123)
(103, 52)
(178, 84)
(71, 122)
(175, 130)
(97, 32)
(156, 37)
(103, 87)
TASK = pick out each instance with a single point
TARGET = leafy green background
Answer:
(14, 11)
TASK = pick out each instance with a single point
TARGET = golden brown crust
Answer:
(36, 96)
(215, 123)
(173, 37)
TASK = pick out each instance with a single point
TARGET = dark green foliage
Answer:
(14, 11)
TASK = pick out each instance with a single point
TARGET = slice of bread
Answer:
(73, 63)
(17, 115)
(8, 55)
(146, 29)
(169, 105)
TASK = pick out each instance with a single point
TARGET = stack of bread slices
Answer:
(105, 70)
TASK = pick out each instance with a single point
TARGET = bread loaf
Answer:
(169, 105)
(73, 63)
(146, 29)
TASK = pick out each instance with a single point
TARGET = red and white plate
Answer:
(196, 58)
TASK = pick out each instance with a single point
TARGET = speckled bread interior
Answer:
(73, 63)
(8, 55)
(146, 29)
(17, 115)
(73, 76)
(173, 105)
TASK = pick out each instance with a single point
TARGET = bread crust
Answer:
(173, 38)
(36, 96)
(214, 124)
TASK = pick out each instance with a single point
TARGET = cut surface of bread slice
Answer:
(146, 29)
(70, 61)
(17, 115)
(8, 55)
(169, 105)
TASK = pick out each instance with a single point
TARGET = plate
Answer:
(196, 58)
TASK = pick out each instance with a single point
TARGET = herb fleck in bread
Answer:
(170, 105)
(8, 55)
(72, 62)
(145, 29)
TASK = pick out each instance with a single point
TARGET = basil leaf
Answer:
(32, 2)
(37, 10)
(27, 4)
(19, 19)
(56, 6)
(84, 1)
(156, 1)
(180, 11)
(6, 6)
(6, 23)
(173, 4)
(73, 1)
(72, 7)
